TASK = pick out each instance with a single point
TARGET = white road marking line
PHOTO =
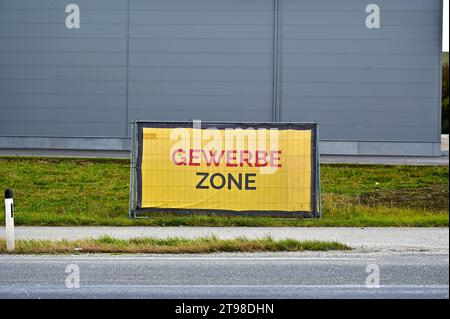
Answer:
(238, 286)
(288, 286)
(119, 258)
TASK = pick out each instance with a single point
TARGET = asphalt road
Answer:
(268, 275)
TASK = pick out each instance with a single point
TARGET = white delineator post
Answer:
(9, 220)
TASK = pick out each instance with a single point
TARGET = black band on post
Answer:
(9, 193)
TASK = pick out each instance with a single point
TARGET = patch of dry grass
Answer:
(174, 245)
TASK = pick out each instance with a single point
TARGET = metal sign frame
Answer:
(135, 211)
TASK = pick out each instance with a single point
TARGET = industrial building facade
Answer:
(75, 74)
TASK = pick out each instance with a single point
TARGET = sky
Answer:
(445, 33)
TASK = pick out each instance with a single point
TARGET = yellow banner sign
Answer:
(227, 168)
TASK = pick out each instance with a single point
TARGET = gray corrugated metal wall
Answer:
(207, 59)
(61, 82)
(360, 84)
(214, 60)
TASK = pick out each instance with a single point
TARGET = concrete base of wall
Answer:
(326, 147)
(380, 148)
(64, 143)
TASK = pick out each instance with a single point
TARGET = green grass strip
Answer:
(174, 245)
(94, 192)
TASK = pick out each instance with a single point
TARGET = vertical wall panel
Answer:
(201, 59)
(64, 82)
(362, 84)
